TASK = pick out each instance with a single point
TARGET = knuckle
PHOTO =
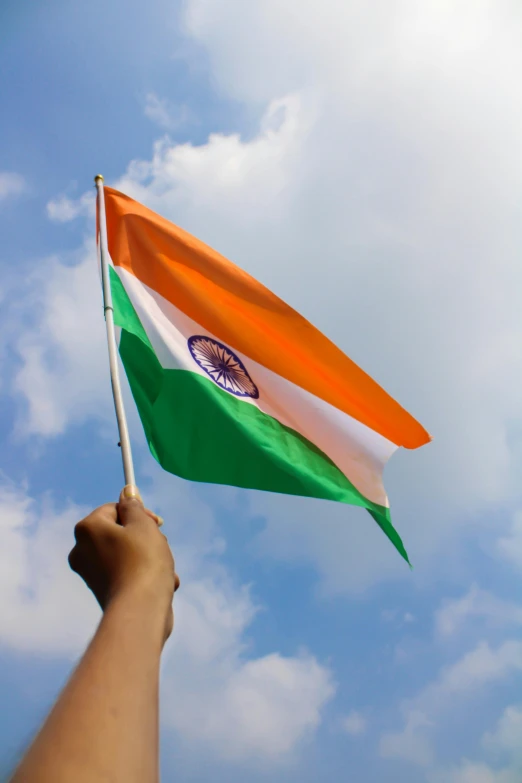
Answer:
(74, 560)
(105, 513)
(81, 529)
(101, 516)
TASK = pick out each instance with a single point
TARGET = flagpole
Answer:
(126, 452)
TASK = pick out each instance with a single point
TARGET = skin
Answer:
(104, 726)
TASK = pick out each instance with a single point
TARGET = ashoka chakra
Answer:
(222, 365)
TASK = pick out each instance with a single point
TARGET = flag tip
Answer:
(97, 177)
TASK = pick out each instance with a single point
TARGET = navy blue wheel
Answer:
(222, 365)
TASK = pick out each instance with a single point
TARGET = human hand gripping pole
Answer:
(105, 723)
(120, 553)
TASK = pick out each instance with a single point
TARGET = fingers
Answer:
(130, 508)
(104, 515)
(115, 513)
(156, 517)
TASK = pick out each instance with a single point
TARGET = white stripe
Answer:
(358, 451)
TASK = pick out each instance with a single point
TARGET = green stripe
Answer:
(198, 431)
(124, 313)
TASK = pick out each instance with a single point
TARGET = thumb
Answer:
(130, 506)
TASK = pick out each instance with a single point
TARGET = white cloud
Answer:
(226, 174)
(504, 743)
(510, 546)
(237, 706)
(506, 737)
(354, 723)
(63, 209)
(261, 708)
(44, 608)
(11, 185)
(62, 345)
(164, 113)
(397, 617)
(476, 603)
(409, 744)
(480, 667)
(472, 772)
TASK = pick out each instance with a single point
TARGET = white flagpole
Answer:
(126, 453)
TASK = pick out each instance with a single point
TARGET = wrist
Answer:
(140, 609)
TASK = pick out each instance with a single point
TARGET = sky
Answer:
(363, 160)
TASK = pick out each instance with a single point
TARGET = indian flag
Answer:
(232, 385)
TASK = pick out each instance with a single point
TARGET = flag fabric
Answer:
(232, 385)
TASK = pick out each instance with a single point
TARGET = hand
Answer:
(120, 551)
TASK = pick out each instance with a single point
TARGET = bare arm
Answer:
(104, 726)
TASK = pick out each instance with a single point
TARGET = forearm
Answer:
(104, 726)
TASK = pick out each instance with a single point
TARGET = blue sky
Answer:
(364, 162)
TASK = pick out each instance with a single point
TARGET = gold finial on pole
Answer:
(98, 176)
